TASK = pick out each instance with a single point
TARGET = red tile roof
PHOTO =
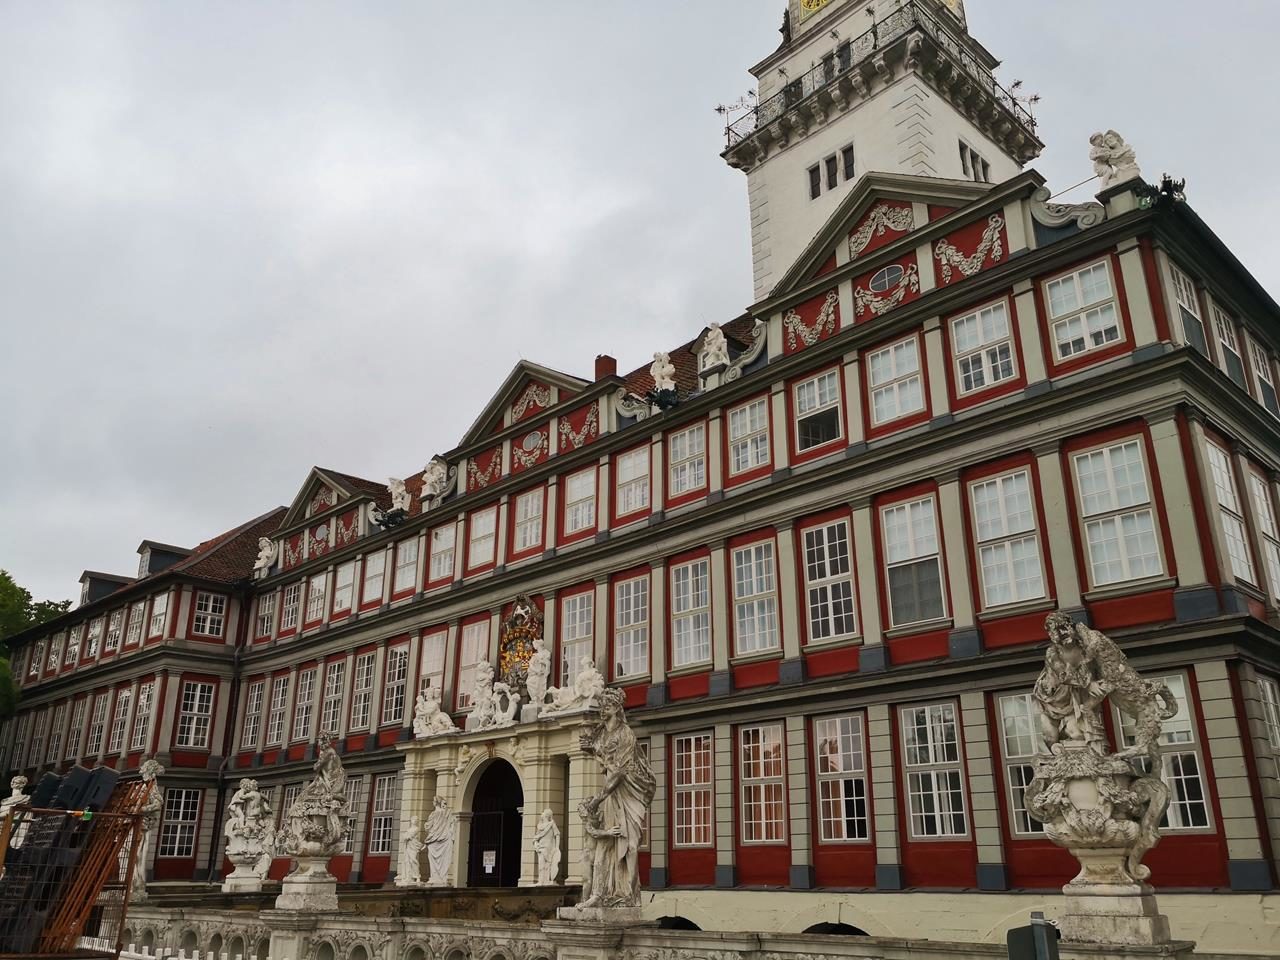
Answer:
(230, 556)
(683, 358)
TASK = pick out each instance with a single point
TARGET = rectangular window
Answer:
(316, 589)
(442, 542)
(818, 411)
(178, 828)
(935, 787)
(136, 615)
(982, 345)
(55, 652)
(631, 481)
(75, 733)
(96, 728)
(355, 805)
(1004, 525)
(897, 386)
(847, 160)
(335, 675)
(375, 571)
(687, 455)
(749, 436)
(159, 610)
(252, 726)
(120, 721)
(841, 769)
(1189, 311)
(304, 703)
(35, 749)
(211, 613)
(362, 693)
(1260, 490)
(1261, 364)
(115, 624)
(291, 793)
(482, 537)
(528, 528)
(344, 580)
(384, 811)
(142, 716)
(1229, 347)
(393, 685)
(266, 614)
(93, 640)
(73, 645)
(475, 650)
(195, 714)
(1270, 692)
(577, 634)
(913, 564)
(1082, 311)
(1120, 527)
(275, 712)
(631, 628)
(815, 182)
(406, 574)
(833, 171)
(1230, 514)
(53, 753)
(828, 580)
(431, 669)
(691, 613)
(580, 501)
(1020, 744)
(289, 611)
(691, 763)
(1180, 761)
(762, 769)
(755, 599)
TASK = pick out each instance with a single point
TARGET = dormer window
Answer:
(144, 563)
(84, 593)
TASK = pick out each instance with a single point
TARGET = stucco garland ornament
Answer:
(535, 395)
(482, 478)
(880, 220)
(950, 257)
(530, 450)
(865, 300)
(292, 555)
(824, 324)
(588, 431)
(1114, 161)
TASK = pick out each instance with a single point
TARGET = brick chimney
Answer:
(606, 366)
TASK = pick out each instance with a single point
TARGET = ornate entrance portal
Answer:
(495, 848)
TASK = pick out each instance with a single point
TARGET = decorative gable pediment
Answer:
(527, 391)
(321, 492)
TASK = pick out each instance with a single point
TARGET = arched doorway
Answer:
(494, 857)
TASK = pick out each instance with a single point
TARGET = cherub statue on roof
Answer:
(400, 499)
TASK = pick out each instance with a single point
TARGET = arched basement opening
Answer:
(837, 929)
(677, 923)
(494, 859)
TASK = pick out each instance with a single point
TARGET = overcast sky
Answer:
(241, 238)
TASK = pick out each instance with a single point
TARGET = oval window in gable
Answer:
(887, 278)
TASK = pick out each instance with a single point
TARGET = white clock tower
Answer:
(890, 86)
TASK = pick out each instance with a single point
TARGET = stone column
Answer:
(584, 781)
(600, 627)
(1266, 754)
(725, 799)
(875, 656)
(936, 368)
(715, 464)
(1141, 317)
(792, 670)
(965, 640)
(720, 592)
(992, 874)
(1057, 519)
(1028, 324)
(543, 779)
(852, 373)
(779, 427)
(1195, 597)
(658, 815)
(658, 627)
(657, 475)
(884, 792)
(799, 804)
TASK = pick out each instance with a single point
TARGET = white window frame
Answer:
(762, 784)
(831, 596)
(1020, 744)
(382, 819)
(405, 577)
(473, 649)
(366, 666)
(482, 538)
(72, 653)
(251, 725)
(120, 721)
(1121, 504)
(159, 614)
(895, 374)
(75, 732)
(142, 716)
(56, 726)
(1224, 328)
(115, 629)
(276, 707)
(335, 677)
(195, 715)
(431, 662)
(137, 613)
(987, 357)
(98, 725)
(817, 397)
(1263, 376)
(843, 807)
(748, 431)
(693, 813)
(266, 616)
(529, 508)
(344, 582)
(1007, 538)
(1264, 513)
(1181, 759)
(443, 543)
(1187, 299)
(55, 652)
(395, 682)
(178, 827)
(93, 639)
(687, 460)
(631, 628)
(1231, 521)
(374, 579)
(210, 614)
(1088, 322)
(304, 704)
(927, 761)
(631, 481)
(580, 501)
(691, 613)
(577, 633)
(755, 599)
(317, 593)
(919, 549)
(292, 600)
(1269, 692)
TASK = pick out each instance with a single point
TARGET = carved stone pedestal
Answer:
(1127, 916)
(311, 887)
(577, 934)
(609, 916)
(242, 880)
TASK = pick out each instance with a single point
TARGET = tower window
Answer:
(975, 168)
(846, 160)
(833, 172)
(815, 182)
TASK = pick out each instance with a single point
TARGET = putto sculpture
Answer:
(428, 719)
(267, 551)
(313, 831)
(248, 832)
(663, 372)
(583, 694)
(493, 705)
(400, 498)
(152, 808)
(715, 348)
(1103, 806)
(441, 834)
(1114, 161)
(437, 481)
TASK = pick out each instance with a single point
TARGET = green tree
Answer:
(18, 611)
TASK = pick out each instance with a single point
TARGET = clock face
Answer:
(809, 7)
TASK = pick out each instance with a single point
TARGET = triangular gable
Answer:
(527, 390)
(877, 211)
(323, 490)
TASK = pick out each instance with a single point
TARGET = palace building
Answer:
(818, 563)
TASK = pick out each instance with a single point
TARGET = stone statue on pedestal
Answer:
(1114, 161)
(546, 844)
(313, 831)
(266, 556)
(151, 811)
(1104, 807)
(663, 372)
(715, 348)
(588, 684)
(400, 496)
(16, 797)
(428, 719)
(538, 675)
(441, 834)
(494, 705)
(409, 873)
(246, 829)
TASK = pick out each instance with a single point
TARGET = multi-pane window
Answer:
(266, 614)
(98, 724)
(159, 611)
(74, 636)
(818, 411)
(115, 624)
(304, 703)
(394, 683)
(316, 590)
(120, 721)
(1004, 524)
(362, 692)
(687, 457)
(528, 524)
(195, 714)
(975, 167)
(355, 803)
(482, 537)
(178, 828)
(383, 819)
(275, 711)
(1020, 743)
(474, 650)
(375, 572)
(1230, 514)
(442, 542)
(291, 793)
(895, 381)
(431, 666)
(983, 348)
(580, 501)
(1270, 693)
(749, 436)
(1261, 363)
(755, 599)
(37, 659)
(1082, 311)
(839, 759)
(55, 652)
(1180, 760)
(53, 751)
(344, 579)
(631, 481)
(211, 614)
(289, 609)
(577, 634)
(691, 764)
(1260, 491)
(631, 628)
(93, 639)
(1229, 346)
(335, 673)
(829, 582)
(142, 716)
(815, 182)
(913, 564)
(137, 613)
(1189, 311)
(75, 733)
(1119, 524)
(406, 573)
(252, 715)
(35, 748)
(762, 769)
(691, 613)
(935, 787)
